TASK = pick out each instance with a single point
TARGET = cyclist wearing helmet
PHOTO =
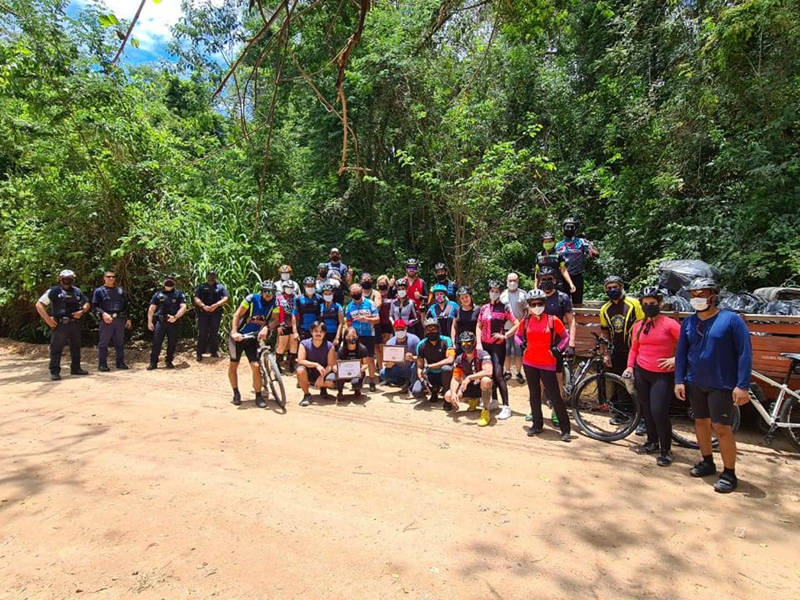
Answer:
(258, 313)
(440, 275)
(285, 273)
(514, 298)
(403, 373)
(316, 358)
(712, 369)
(322, 276)
(336, 264)
(651, 363)
(286, 349)
(332, 314)
(466, 315)
(492, 337)
(338, 291)
(575, 249)
(544, 338)
(442, 309)
(362, 316)
(435, 355)
(417, 290)
(403, 308)
(472, 378)
(550, 258)
(384, 329)
(307, 310)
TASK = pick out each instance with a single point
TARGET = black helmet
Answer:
(464, 289)
(547, 271)
(401, 283)
(440, 266)
(309, 281)
(327, 287)
(412, 262)
(703, 283)
(467, 337)
(548, 235)
(613, 279)
(571, 221)
(493, 283)
(651, 292)
(268, 286)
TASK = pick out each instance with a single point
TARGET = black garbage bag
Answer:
(777, 307)
(676, 274)
(743, 302)
(675, 302)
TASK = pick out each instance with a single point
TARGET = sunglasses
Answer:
(110, 276)
(534, 304)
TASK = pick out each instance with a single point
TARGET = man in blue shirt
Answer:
(402, 373)
(362, 315)
(110, 303)
(209, 298)
(167, 306)
(712, 369)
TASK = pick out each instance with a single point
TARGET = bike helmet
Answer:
(322, 267)
(439, 288)
(440, 266)
(536, 295)
(703, 283)
(268, 286)
(548, 235)
(309, 281)
(431, 322)
(613, 279)
(412, 262)
(651, 292)
(366, 276)
(547, 271)
(403, 283)
(327, 287)
(493, 283)
(467, 338)
(464, 289)
(571, 221)
(285, 269)
(66, 273)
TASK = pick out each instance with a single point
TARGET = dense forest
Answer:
(453, 130)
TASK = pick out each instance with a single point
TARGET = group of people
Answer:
(438, 344)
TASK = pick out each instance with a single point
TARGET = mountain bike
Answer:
(784, 414)
(271, 379)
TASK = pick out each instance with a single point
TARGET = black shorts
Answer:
(384, 328)
(369, 344)
(249, 347)
(711, 403)
(473, 390)
(284, 329)
(313, 375)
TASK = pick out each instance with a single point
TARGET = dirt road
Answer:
(151, 485)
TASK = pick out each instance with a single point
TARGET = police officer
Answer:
(110, 304)
(67, 305)
(209, 298)
(166, 307)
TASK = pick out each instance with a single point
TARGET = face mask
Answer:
(322, 275)
(441, 276)
(66, 282)
(651, 310)
(549, 245)
(699, 304)
(285, 276)
(569, 231)
(367, 285)
(537, 310)
(401, 293)
(383, 287)
(494, 296)
(614, 294)
(357, 296)
(547, 286)
(328, 297)
(432, 337)
(468, 348)
(167, 284)
(512, 286)
(335, 258)
(310, 291)
(351, 342)
(400, 334)
(440, 298)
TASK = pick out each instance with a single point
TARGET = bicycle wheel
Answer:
(791, 414)
(684, 433)
(603, 408)
(272, 378)
(756, 393)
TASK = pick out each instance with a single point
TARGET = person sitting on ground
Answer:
(404, 373)
(442, 309)
(351, 349)
(435, 356)
(316, 358)
(472, 378)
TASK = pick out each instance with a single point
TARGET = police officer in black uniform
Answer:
(166, 307)
(209, 298)
(67, 304)
(111, 306)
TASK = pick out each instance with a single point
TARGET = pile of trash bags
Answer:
(675, 275)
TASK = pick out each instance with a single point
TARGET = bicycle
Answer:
(784, 413)
(270, 373)
(601, 404)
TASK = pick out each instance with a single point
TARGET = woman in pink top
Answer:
(651, 362)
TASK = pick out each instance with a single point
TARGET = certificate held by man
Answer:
(394, 354)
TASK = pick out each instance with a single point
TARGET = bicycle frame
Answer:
(772, 418)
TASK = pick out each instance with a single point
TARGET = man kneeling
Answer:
(472, 378)
(316, 358)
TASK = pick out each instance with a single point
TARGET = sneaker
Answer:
(79, 372)
(215, 355)
(199, 358)
(306, 400)
(371, 385)
(520, 379)
(122, 367)
(260, 403)
(507, 376)
(404, 389)
(505, 413)
(554, 419)
(726, 483)
(641, 429)
(473, 404)
(493, 405)
(152, 366)
(647, 448)
(170, 365)
(485, 418)
(529, 417)
(532, 431)
(703, 469)
(55, 377)
(339, 396)
(103, 369)
(664, 460)
(237, 398)
(566, 437)
(434, 396)
(323, 393)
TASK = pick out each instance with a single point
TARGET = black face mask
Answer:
(468, 348)
(432, 337)
(383, 287)
(357, 297)
(335, 258)
(651, 310)
(169, 284)
(441, 276)
(352, 342)
(367, 285)
(547, 286)
(569, 231)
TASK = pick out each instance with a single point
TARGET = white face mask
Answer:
(310, 291)
(401, 293)
(699, 304)
(328, 297)
(537, 310)
(512, 286)
(493, 296)
(400, 334)
(285, 276)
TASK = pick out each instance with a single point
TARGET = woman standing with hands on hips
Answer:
(651, 363)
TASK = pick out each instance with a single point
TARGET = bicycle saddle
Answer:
(791, 356)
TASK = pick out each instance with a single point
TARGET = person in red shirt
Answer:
(544, 339)
(651, 363)
(417, 290)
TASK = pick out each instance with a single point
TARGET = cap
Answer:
(400, 324)
(66, 273)
(334, 251)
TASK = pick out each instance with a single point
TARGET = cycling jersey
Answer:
(619, 319)
(433, 353)
(307, 311)
(404, 309)
(329, 314)
(259, 312)
(362, 309)
(574, 251)
(286, 305)
(466, 320)
(492, 318)
(443, 314)
(464, 367)
(418, 285)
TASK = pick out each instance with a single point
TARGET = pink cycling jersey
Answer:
(658, 343)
